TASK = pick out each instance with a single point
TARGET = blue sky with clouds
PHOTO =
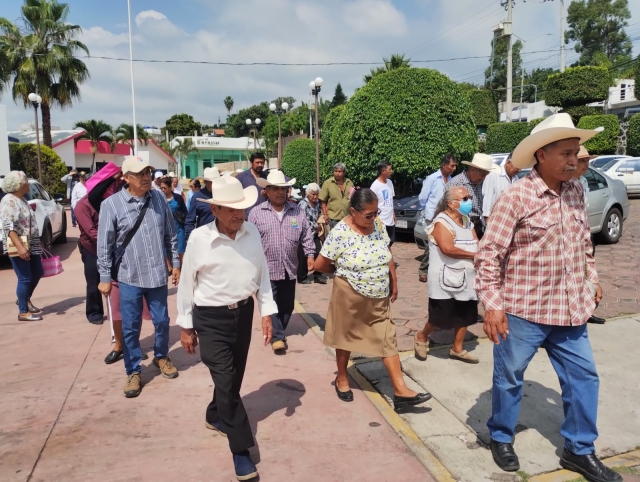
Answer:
(293, 31)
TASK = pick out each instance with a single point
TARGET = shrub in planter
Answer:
(505, 136)
(579, 111)
(605, 142)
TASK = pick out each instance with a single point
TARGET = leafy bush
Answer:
(482, 146)
(579, 111)
(535, 122)
(505, 136)
(633, 135)
(484, 106)
(577, 86)
(605, 142)
(299, 161)
(24, 157)
(409, 116)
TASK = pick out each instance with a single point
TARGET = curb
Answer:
(623, 460)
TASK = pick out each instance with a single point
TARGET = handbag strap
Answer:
(132, 233)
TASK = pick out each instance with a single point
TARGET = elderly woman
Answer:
(311, 207)
(453, 303)
(365, 284)
(21, 242)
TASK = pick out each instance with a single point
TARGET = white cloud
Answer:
(149, 15)
(375, 18)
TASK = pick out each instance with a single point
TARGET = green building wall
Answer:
(196, 162)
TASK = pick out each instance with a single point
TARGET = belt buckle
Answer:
(233, 306)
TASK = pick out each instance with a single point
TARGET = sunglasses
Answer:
(370, 216)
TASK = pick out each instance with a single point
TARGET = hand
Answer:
(189, 340)
(310, 262)
(175, 276)
(394, 291)
(23, 252)
(267, 329)
(598, 294)
(105, 288)
(496, 325)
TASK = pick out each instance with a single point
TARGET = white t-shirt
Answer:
(385, 195)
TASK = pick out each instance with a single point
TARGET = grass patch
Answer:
(524, 477)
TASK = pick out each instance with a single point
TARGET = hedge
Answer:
(633, 135)
(484, 106)
(411, 117)
(299, 161)
(605, 142)
(327, 131)
(505, 136)
(24, 157)
(579, 111)
(577, 86)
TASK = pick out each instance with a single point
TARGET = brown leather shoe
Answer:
(166, 367)
(421, 349)
(133, 385)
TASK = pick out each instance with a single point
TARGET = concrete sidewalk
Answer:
(65, 418)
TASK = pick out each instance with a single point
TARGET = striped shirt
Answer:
(143, 264)
(280, 238)
(462, 180)
(544, 242)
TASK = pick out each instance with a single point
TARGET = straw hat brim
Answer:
(495, 168)
(523, 155)
(250, 198)
(264, 183)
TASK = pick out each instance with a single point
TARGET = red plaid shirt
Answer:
(536, 254)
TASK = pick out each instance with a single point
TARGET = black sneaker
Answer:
(305, 281)
(589, 466)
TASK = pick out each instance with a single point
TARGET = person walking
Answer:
(383, 187)
(311, 208)
(222, 272)
(453, 303)
(70, 181)
(472, 180)
(179, 210)
(364, 286)
(21, 242)
(157, 180)
(199, 214)
(194, 186)
(334, 195)
(430, 195)
(79, 191)
(495, 184)
(250, 178)
(137, 228)
(283, 227)
(175, 183)
(544, 294)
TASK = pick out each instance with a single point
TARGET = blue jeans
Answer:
(570, 353)
(131, 310)
(29, 274)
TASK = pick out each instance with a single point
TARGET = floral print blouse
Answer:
(16, 215)
(362, 260)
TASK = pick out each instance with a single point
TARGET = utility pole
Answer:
(561, 35)
(508, 31)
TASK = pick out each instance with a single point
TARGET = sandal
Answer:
(464, 356)
(422, 278)
(420, 348)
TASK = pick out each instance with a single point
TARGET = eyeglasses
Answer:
(370, 216)
(466, 198)
(141, 174)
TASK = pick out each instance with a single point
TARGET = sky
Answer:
(279, 31)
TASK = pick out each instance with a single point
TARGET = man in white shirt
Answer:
(383, 187)
(495, 183)
(157, 180)
(221, 271)
(79, 190)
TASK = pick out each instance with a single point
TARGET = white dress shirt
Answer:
(220, 271)
(79, 191)
(494, 184)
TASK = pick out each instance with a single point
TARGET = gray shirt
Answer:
(143, 264)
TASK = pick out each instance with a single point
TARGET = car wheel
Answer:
(47, 239)
(612, 227)
(63, 233)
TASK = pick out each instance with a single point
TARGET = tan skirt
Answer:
(360, 324)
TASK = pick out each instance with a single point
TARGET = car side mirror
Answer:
(58, 198)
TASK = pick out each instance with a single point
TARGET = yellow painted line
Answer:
(308, 319)
(629, 459)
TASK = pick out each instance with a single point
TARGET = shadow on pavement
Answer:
(61, 307)
(65, 250)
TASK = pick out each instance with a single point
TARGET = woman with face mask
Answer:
(453, 303)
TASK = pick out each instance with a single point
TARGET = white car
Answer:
(500, 159)
(601, 161)
(626, 170)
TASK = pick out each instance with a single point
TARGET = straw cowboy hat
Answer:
(171, 174)
(210, 173)
(484, 162)
(275, 178)
(555, 128)
(584, 153)
(227, 191)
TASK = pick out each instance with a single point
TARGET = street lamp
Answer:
(36, 100)
(315, 86)
(279, 111)
(256, 122)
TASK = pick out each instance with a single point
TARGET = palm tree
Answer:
(95, 131)
(228, 103)
(182, 149)
(397, 61)
(124, 134)
(42, 57)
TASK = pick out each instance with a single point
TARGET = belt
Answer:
(232, 306)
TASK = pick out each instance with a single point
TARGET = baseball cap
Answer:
(134, 164)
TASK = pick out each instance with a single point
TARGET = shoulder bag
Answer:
(118, 252)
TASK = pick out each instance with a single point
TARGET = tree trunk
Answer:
(46, 124)
(93, 163)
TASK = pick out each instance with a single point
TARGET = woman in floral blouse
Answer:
(365, 284)
(19, 220)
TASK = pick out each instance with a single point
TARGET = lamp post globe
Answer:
(248, 122)
(272, 107)
(312, 85)
(319, 81)
(33, 97)
(285, 106)
(258, 122)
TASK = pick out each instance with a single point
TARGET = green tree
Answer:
(182, 125)
(182, 149)
(536, 77)
(124, 134)
(397, 61)
(597, 27)
(24, 157)
(299, 161)
(338, 97)
(228, 104)
(42, 57)
(236, 123)
(95, 131)
(497, 76)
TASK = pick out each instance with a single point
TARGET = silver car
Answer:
(608, 208)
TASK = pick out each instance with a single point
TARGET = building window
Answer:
(623, 91)
(187, 170)
(206, 163)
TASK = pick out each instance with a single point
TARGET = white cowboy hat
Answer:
(210, 173)
(552, 129)
(171, 174)
(484, 162)
(135, 164)
(275, 178)
(227, 191)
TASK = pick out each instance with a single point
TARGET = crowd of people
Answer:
(521, 247)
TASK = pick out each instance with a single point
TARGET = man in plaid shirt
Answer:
(282, 226)
(537, 278)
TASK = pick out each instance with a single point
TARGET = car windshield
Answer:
(410, 202)
(607, 166)
(600, 163)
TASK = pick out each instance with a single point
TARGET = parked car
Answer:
(608, 208)
(626, 170)
(500, 159)
(407, 211)
(50, 215)
(601, 161)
